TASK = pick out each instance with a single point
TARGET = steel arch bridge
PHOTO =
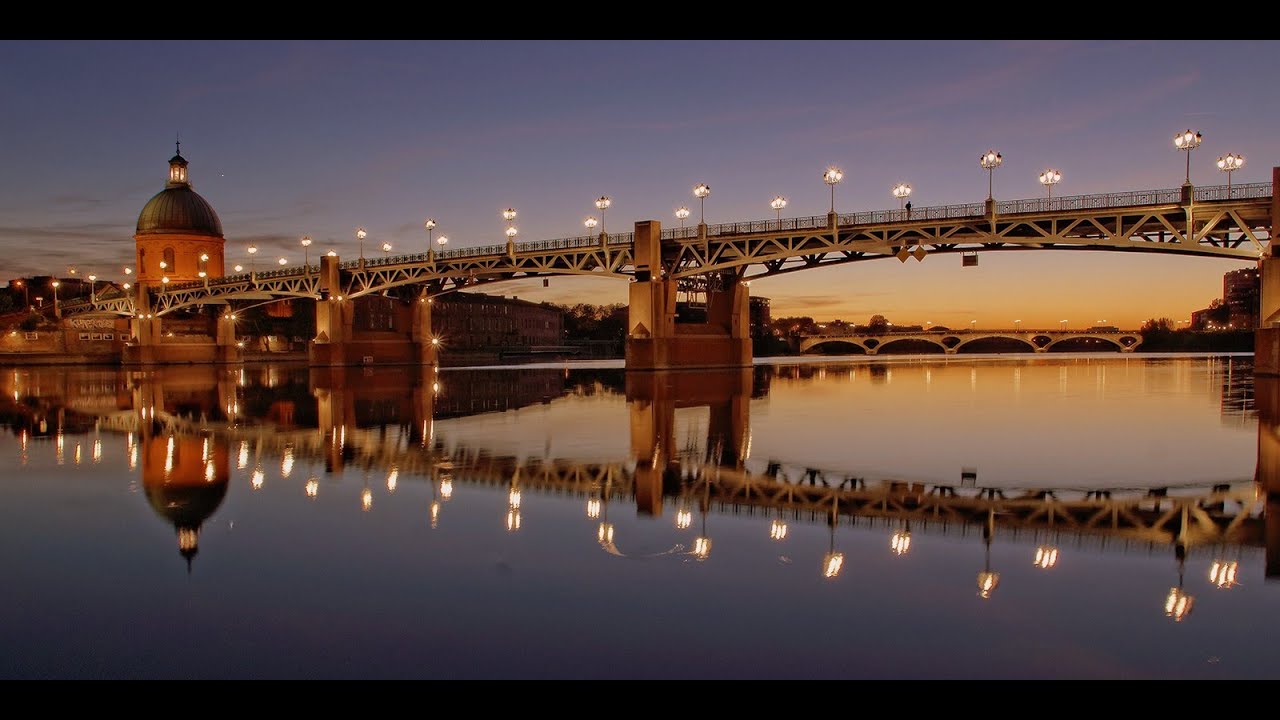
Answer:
(1217, 221)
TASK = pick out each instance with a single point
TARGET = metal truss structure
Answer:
(1219, 223)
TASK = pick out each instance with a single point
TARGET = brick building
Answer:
(476, 321)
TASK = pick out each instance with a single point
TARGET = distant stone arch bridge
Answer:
(951, 342)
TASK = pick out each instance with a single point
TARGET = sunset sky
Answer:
(316, 138)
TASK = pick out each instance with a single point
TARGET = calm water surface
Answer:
(993, 517)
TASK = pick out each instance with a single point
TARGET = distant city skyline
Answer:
(287, 139)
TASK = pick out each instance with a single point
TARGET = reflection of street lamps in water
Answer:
(1222, 573)
(900, 543)
(1046, 557)
(1178, 603)
(832, 561)
(684, 516)
(988, 581)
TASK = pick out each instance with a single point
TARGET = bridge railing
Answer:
(1132, 198)
(1248, 191)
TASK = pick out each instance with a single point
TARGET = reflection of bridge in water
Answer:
(189, 427)
(656, 471)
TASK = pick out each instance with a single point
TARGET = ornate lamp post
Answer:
(989, 161)
(1048, 179)
(360, 235)
(1228, 164)
(93, 288)
(56, 284)
(590, 224)
(701, 191)
(306, 253)
(430, 226)
(681, 214)
(603, 204)
(386, 249)
(253, 250)
(902, 191)
(778, 204)
(1188, 140)
(832, 177)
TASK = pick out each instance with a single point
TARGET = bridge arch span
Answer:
(994, 336)
(807, 345)
(1095, 336)
(914, 339)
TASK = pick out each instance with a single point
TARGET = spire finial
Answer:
(177, 141)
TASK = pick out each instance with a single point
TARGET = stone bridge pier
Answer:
(150, 344)
(369, 329)
(655, 341)
(1266, 341)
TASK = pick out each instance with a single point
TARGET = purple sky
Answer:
(294, 138)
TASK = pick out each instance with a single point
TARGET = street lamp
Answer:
(360, 234)
(444, 240)
(253, 250)
(430, 226)
(832, 176)
(1017, 325)
(1188, 140)
(26, 295)
(55, 285)
(989, 161)
(681, 213)
(1062, 324)
(386, 248)
(902, 191)
(603, 204)
(93, 288)
(1048, 179)
(700, 191)
(1228, 164)
(973, 324)
(282, 262)
(778, 204)
(306, 250)
(591, 223)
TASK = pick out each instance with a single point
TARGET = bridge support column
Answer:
(333, 318)
(427, 345)
(144, 329)
(227, 349)
(1266, 339)
(656, 342)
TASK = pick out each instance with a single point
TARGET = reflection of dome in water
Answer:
(185, 480)
(186, 507)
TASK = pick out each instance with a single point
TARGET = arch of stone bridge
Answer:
(808, 344)
(974, 338)
(1117, 341)
(930, 339)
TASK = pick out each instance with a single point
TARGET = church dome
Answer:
(178, 208)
